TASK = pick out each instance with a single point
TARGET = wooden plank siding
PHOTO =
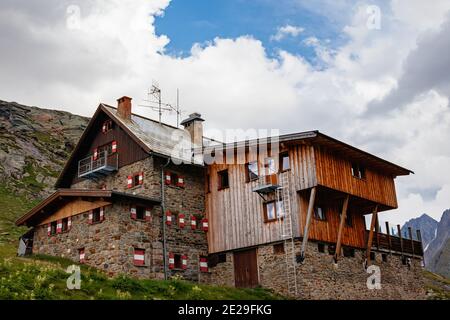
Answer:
(128, 150)
(334, 172)
(236, 213)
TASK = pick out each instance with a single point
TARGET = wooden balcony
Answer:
(105, 164)
(388, 243)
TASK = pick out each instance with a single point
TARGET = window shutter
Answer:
(141, 178)
(114, 147)
(203, 264)
(168, 178)
(69, 223)
(139, 257)
(148, 214)
(129, 182)
(91, 216)
(205, 224)
(59, 226)
(180, 182)
(102, 213)
(193, 223)
(95, 154)
(168, 217)
(49, 229)
(184, 260)
(133, 213)
(181, 220)
(171, 260)
(82, 256)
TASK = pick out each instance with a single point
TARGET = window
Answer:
(107, 126)
(270, 166)
(284, 161)
(278, 248)
(321, 247)
(331, 249)
(139, 257)
(372, 256)
(348, 252)
(105, 148)
(358, 171)
(222, 257)
(319, 213)
(384, 257)
(65, 224)
(273, 210)
(223, 179)
(140, 213)
(136, 180)
(96, 215)
(173, 178)
(178, 264)
(215, 259)
(53, 227)
(81, 255)
(252, 171)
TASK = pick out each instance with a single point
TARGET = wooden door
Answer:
(245, 269)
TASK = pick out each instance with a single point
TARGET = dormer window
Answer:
(358, 171)
(107, 126)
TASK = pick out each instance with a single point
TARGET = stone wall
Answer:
(124, 233)
(320, 278)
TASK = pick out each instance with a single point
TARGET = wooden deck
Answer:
(387, 243)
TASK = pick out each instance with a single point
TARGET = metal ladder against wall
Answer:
(286, 232)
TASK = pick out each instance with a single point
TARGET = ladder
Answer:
(286, 232)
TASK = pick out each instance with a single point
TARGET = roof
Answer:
(317, 138)
(62, 195)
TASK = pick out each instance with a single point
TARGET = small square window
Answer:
(358, 171)
(107, 126)
(331, 249)
(319, 213)
(222, 257)
(384, 257)
(278, 248)
(178, 264)
(252, 171)
(65, 224)
(53, 227)
(270, 166)
(139, 257)
(348, 252)
(223, 179)
(96, 215)
(173, 178)
(273, 210)
(284, 161)
(372, 256)
(140, 213)
(321, 247)
(81, 255)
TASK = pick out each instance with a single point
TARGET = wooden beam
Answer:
(419, 237)
(378, 229)
(312, 199)
(399, 230)
(372, 226)
(412, 240)
(388, 232)
(341, 228)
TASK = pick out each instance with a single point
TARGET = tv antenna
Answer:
(155, 98)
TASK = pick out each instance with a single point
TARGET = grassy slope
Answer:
(44, 277)
(438, 286)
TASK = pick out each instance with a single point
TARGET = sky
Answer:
(371, 73)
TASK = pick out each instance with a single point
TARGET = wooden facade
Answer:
(236, 213)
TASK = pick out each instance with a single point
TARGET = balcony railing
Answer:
(103, 165)
(385, 242)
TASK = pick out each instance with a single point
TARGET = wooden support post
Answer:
(378, 232)
(372, 226)
(419, 237)
(388, 232)
(399, 230)
(412, 240)
(341, 228)
(312, 199)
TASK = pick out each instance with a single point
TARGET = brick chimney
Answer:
(124, 108)
(194, 125)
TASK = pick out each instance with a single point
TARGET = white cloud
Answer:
(235, 84)
(286, 31)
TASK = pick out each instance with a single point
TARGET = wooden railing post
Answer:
(419, 237)
(412, 240)
(341, 228)
(372, 226)
(399, 230)
(388, 236)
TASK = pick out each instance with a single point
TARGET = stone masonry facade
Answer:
(319, 278)
(109, 245)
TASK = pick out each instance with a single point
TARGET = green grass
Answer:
(438, 285)
(44, 278)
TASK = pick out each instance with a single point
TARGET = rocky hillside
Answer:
(427, 226)
(438, 251)
(34, 145)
